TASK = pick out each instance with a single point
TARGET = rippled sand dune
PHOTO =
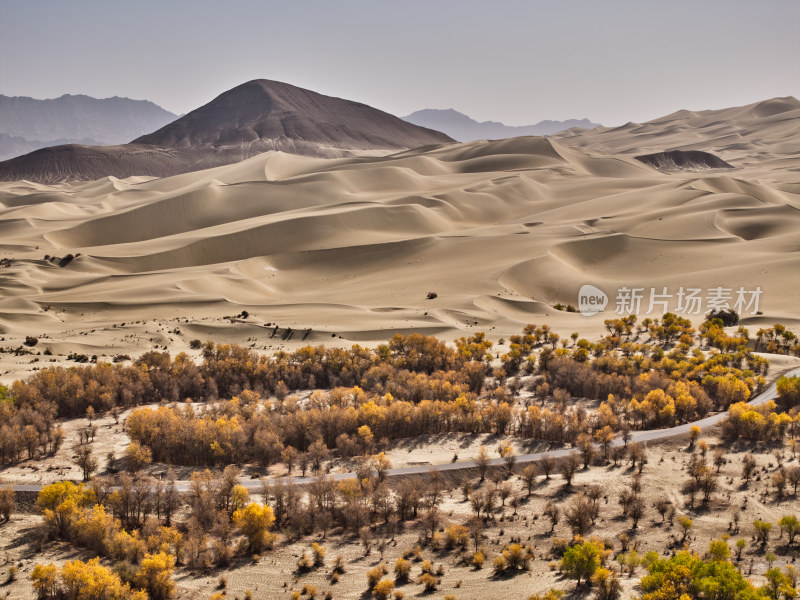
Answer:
(500, 230)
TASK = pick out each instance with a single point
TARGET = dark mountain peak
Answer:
(274, 113)
(252, 118)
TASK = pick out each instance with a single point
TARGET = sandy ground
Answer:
(274, 576)
(346, 250)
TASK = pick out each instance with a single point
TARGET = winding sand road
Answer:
(636, 436)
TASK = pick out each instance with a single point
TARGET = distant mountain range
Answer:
(252, 118)
(464, 129)
(27, 124)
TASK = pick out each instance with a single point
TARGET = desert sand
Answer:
(346, 250)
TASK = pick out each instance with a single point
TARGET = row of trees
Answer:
(651, 388)
(351, 421)
(761, 423)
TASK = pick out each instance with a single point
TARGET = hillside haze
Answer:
(465, 129)
(27, 124)
(252, 118)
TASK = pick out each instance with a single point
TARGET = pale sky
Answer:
(611, 61)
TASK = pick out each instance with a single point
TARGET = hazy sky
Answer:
(517, 62)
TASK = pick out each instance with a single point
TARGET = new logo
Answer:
(591, 300)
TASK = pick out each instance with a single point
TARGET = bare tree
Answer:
(636, 510)
(662, 506)
(482, 460)
(85, 459)
(578, 514)
(552, 512)
(748, 467)
(569, 466)
(528, 475)
(547, 465)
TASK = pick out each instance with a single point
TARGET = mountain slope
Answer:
(270, 114)
(249, 119)
(79, 118)
(464, 129)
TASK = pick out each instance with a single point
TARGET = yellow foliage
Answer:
(383, 588)
(456, 535)
(155, 575)
(79, 580)
(254, 522)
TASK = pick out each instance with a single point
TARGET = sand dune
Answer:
(753, 138)
(347, 249)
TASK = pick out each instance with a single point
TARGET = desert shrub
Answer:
(310, 590)
(429, 581)
(318, 551)
(552, 594)
(456, 535)
(304, 563)
(375, 574)
(7, 502)
(338, 565)
(762, 529)
(402, 569)
(383, 588)
(719, 550)
(606, 584)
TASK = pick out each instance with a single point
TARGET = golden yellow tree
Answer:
(254, 522)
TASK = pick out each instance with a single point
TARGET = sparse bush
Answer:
(383, 588)
(318, 552)
(402, 569)
(375, 574)
(606, 583)
(7, 502)
(686, 524)
(11, 574)
(456, 535)
(762, 530)
(430, 582)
